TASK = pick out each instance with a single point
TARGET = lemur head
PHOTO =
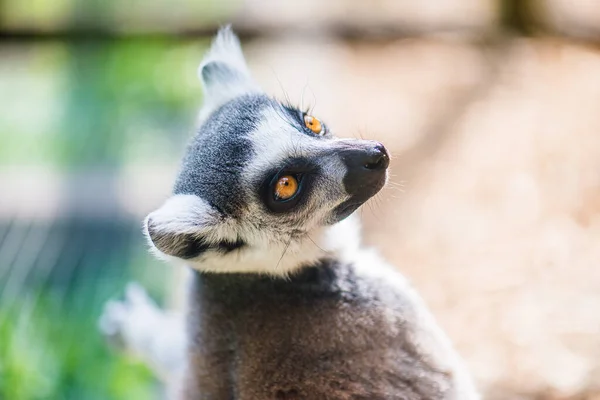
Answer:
(262, 183)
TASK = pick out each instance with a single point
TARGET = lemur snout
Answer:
(366, 165)
(366, 172)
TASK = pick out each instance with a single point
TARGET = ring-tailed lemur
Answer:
(284, 302)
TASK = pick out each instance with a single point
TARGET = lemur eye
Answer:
(314, 124)
(286, 187)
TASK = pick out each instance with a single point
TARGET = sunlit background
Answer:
(491, 110)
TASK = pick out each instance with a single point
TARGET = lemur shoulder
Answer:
(284, 302)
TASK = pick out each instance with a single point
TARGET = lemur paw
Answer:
(125, 322)
(137, 325)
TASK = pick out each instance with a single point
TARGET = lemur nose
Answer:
(377, 158)
(366, 164)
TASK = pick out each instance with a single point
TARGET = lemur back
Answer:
(284, 301)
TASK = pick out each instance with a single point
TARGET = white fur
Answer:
(281, 141)
(147, 331)
(280, 258)
(182, 213)
(190, 214)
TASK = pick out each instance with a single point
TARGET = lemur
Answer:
(284, 302)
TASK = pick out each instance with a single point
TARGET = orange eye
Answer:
(314, 124)
(286, 187)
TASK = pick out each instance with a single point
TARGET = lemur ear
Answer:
(224, 72)
(182, 227)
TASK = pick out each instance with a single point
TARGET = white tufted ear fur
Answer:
(182, 227)
(224, 72)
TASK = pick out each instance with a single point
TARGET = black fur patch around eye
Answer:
(303, 169)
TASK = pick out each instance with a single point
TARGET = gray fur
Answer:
(324, 333)
(218, 154)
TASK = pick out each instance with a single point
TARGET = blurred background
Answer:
(491, 110)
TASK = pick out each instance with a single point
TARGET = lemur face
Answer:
(259, 174)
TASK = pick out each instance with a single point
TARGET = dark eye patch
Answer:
(303, 170)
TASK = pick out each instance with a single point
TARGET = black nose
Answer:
(376, 158)
(366, 165)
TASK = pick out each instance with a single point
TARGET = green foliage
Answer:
(132, 15)
(46, 353)
(88, 103)
(75, 105)
(50, 344)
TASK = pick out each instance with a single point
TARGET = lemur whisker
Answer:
(360, 134)
(284, 251)
(320, 248)
(285, 94)
(314, 102)
(374, 212)
(302, 96)
(392, 183)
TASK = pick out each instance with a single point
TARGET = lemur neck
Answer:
(284, 258)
